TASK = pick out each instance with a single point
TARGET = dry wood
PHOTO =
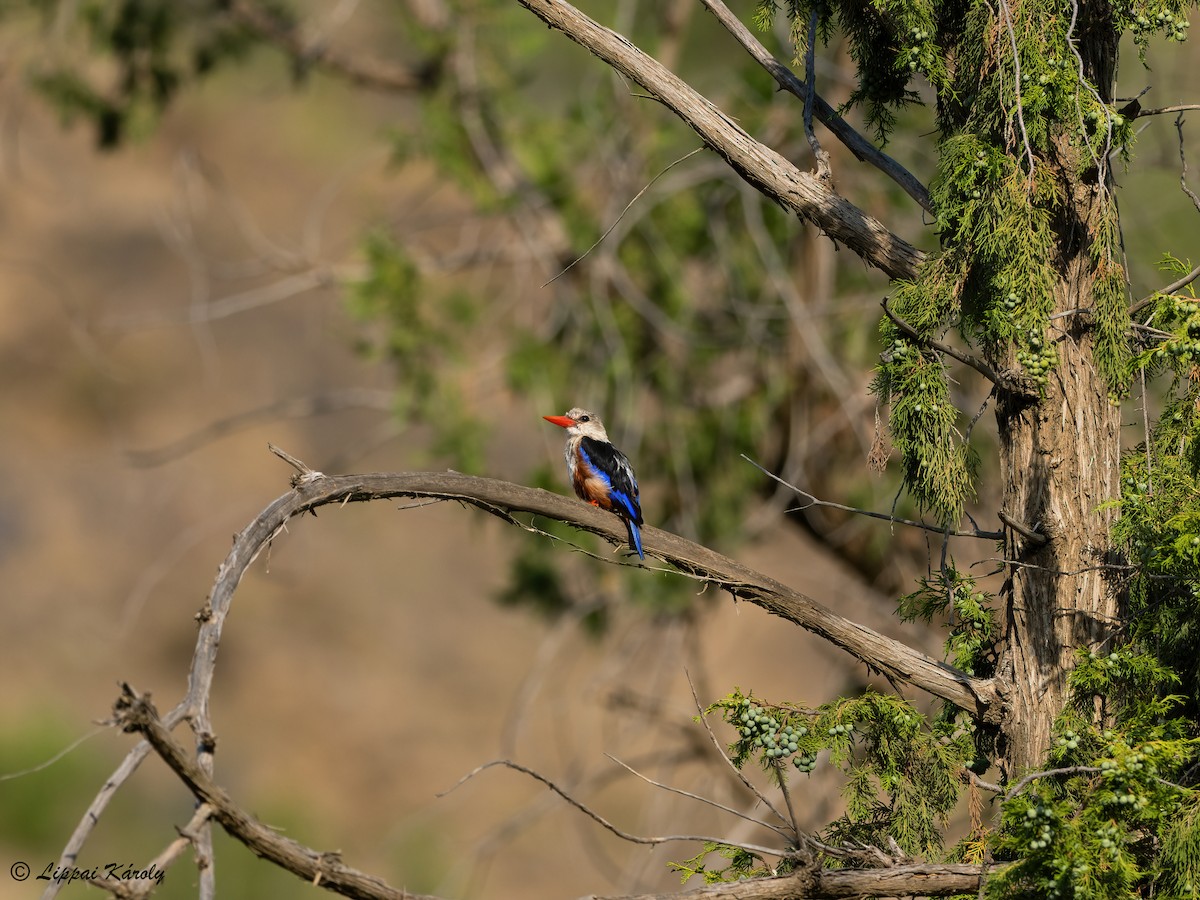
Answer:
(312, 490)
(776, 177)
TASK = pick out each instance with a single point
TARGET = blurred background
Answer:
(391, 236)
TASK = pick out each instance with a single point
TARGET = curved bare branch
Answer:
(978, 696)
(312, 490)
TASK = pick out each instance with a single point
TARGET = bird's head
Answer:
(580, 422)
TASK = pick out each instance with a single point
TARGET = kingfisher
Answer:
(599, 472)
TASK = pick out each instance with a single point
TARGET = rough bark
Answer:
(1060, 461)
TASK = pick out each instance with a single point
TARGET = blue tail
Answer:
(635, 538)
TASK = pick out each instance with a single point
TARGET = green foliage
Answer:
(901, 772)
(154, 47)
(417, 332)
(1020, 104)
(1159, 526)
(1145, 18)
(949, 597)
(1110, 818)
(742, 864)
(1177, 321)
(938, 467)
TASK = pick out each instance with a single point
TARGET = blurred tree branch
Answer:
(357, 69)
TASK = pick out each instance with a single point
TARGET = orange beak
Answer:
(561, 421)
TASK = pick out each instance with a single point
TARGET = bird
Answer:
(599, 472)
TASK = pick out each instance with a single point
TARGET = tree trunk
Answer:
(1060, 461)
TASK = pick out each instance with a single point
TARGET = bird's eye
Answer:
(585, 418)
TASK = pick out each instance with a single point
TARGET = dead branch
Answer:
(135, 713)
(312, 490)
(895, 881)
(356, 69)
(776, 177)
(503, 499)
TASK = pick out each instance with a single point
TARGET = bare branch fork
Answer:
(311, 490)
(774, 176)
(135, 713)
(862, 148)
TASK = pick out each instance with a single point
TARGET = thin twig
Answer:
(738, 773)
(607, 825)
(1184, 165)
(862, 148)
(707, 800)
(810, 91)
(617, 220)
(1004, 380)
(1061, 573)
(787, 799)
(8, 776)
(1048, 773)
(886, 517)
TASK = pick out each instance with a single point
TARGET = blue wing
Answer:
(612, 466)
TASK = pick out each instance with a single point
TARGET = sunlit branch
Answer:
(862, 148)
